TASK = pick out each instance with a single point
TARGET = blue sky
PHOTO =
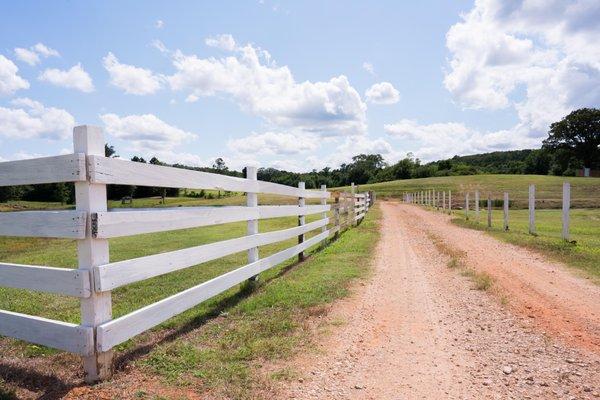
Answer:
(296, 85)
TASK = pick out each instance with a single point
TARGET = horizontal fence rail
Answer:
(91, 224)
(57, 224)
(115, 171)
(57, 334)
(126, 222)
(70, 282)
(67, 168)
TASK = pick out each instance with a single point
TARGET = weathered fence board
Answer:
(117, 171)
(70, 282)
(56, 224)
(67, 168)
(47, 332)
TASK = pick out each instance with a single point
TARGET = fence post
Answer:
(92, 252)
(336, 216)
(444, 201)
(532, 209)
(252, 224)
(467, 206)
(566, 205)
(505, 208)
(324, 214)
(450, 202)
(477, 206)
(353, 217)
(489, 210)
(301, 219)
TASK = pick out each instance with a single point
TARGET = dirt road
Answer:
(417, 329)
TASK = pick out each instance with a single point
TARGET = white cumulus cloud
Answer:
(10, 81)
(74, 78)
(146, 132)
(32, 55)
(30, 119)
(132, 79)
(540, 58)
(382, 93)
(446, 139)
(274, 143)
(330, 108)
(224, 42)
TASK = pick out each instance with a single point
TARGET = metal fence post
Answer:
(467, 206)
(91, 252)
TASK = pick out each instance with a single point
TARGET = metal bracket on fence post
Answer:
(301, 219)
(92, 252)
(252, 224)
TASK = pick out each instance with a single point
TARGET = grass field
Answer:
(235, 199)
(221, 355)
(583, 252)
(585, 192)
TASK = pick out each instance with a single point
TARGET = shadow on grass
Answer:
(246, 289)
(49, 386)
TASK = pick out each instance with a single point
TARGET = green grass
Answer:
(585, 192)
(583, 252)
(270, 324)
(258, 321)
(481, 280)
(234, 199)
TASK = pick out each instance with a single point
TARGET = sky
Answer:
(295, 85)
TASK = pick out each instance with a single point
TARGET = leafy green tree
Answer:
(578, 136)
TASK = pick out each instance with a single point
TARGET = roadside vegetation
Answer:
(582, 252)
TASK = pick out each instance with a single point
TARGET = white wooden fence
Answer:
(92, 225)
(417, 198)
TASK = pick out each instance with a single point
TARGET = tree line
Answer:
(572, 143)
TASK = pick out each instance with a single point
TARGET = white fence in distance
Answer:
(419, 198)
(91, 224)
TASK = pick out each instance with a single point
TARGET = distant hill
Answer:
(497, 162)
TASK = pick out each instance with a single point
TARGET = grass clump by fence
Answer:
(581, 252)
